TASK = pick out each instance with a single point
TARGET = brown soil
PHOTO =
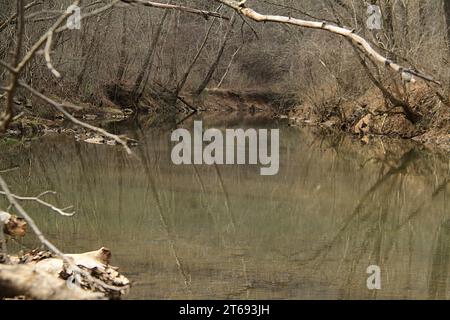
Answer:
(370, 115)
(248, 101)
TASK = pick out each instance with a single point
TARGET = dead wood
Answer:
(25, 280)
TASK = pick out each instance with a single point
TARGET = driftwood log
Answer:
(25, 280)
(350, 34)
(41, 275)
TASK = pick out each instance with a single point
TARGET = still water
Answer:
(209, 232)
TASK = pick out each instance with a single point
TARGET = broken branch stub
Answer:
(25, 280)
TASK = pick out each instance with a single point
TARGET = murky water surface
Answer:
(309, 232)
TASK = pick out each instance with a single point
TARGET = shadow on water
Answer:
(309, 232)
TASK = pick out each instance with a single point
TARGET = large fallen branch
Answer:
(25, 280)
(42, 275)
(96, 283)
(363, 44)
(9, 20)
(19, 64)
(39, 200)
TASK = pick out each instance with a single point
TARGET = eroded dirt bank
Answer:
(370, 115)
(365, 116)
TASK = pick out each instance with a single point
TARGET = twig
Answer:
(91, 14)
(229, 66)
(193, 109)
(47, 49)
(43, 39)
(44, 203)
(324, 25)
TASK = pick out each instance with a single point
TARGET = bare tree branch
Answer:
(7, 115)
(7, 66)
(347, 33)
(204, 13)
(47, 50)
(13, 201)
(229, 66)
(44, 203)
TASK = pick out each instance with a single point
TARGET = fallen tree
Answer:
(41, 275)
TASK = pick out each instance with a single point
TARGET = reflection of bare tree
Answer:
(170, 233)
(364, 202)
(440, 265)
(372, 231)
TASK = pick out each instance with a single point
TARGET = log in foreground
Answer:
(24, 280)
(41, 275)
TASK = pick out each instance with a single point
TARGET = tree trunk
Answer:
(447, 20)
(191, 65)
(213, 67)
(87, 54)
(145, 70)
(389, 25)
(123, 51)
(173, 57)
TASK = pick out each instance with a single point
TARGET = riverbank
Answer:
(365, 116)
(369, 115)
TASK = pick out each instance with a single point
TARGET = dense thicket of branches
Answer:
(142, 47)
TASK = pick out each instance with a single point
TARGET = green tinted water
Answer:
(309, 232)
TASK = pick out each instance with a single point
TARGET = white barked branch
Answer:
(361, 43)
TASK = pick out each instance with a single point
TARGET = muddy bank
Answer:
(364, 117)
(252, 101)
(370, 115)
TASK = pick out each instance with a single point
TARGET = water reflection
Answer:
(311, 231)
